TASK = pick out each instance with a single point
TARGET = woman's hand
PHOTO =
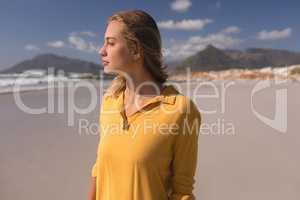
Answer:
(92, 193)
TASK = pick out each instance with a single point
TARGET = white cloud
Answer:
(186, 24)
(56, 44)
(31, 47)
(231, 29)
(84, 33)
(81, 44)
(181, 5)
(183, 49)
(89, 33)
(166, 52)
(274, 34)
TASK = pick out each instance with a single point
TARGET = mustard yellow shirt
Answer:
(152, 154)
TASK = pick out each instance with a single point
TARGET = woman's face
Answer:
(115, 54)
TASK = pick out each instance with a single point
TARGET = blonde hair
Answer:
(141, 34)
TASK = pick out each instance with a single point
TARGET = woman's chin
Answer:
(112, 69)
(109, 70)
(106, 68)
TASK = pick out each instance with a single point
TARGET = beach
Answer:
(241, 154)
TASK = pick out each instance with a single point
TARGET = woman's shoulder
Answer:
(186, 103)
(183, 104)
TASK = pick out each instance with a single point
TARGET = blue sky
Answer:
(75, 28)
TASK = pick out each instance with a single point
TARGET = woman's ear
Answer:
(136, 51)
(136, 56)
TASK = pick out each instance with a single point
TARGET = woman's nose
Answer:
(102, 51)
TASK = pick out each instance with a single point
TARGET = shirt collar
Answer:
(167, 96)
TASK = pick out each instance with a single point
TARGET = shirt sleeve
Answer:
(184, 162)
(94, 167)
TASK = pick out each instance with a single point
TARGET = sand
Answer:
(44, 158)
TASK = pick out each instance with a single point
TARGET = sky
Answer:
(75, 28)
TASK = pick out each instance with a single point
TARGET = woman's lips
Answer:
(105, 62)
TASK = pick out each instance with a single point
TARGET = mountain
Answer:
(57, 62)
(212, 58)
(207, 59)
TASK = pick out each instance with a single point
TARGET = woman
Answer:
(149, 131)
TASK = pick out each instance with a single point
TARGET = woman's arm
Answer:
(185, 155)
(94, 171)
(93, 182)
(92, 193)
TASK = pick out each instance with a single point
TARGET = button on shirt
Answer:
(152, 154)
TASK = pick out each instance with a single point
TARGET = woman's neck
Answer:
(141, 89)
